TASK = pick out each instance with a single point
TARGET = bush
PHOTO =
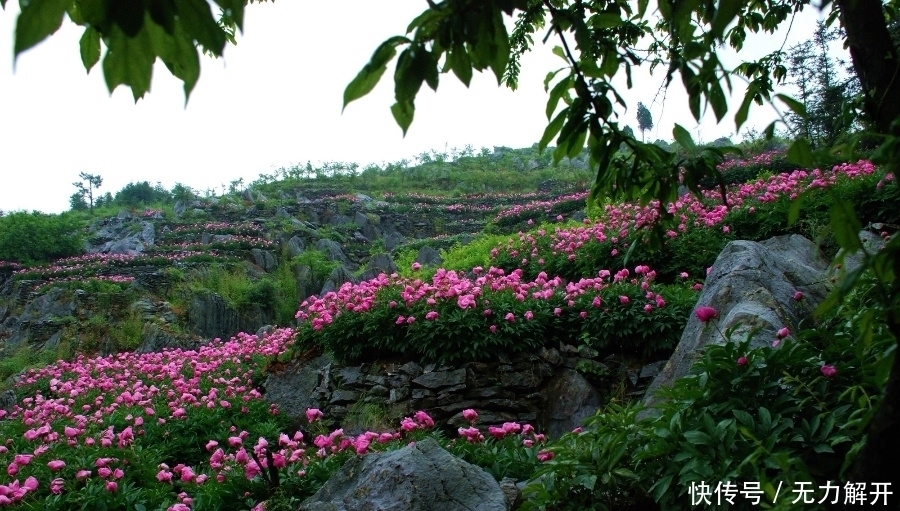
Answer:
(789, 415)
(38, 237)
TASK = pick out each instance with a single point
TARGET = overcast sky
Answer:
(273, 100)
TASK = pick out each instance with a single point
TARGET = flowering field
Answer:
(184, 430)
(191, 430)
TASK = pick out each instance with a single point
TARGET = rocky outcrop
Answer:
(752, 286)
(41, 320)
(210, 316)
(428, 256)
(543, 389)
(123, 234)
(420, 477)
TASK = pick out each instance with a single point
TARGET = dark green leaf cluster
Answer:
(135, 34)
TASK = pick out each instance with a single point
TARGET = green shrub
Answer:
(38, 237)
(743, 414)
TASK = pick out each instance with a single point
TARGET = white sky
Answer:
(273, 100)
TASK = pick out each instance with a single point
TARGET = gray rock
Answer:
(363, 198)
(332, 251)
(511, 492)
(336, 279)
(337, 220)
(871, 242)
(438, 379)
(210, 316)
(570, 399)
(423, 477)
(264, 259)
(360, 219)
(296, 246)
(180, 208)
(751, 285)
(428, 256)
(393, 240)
(299, 386)
(381, 263)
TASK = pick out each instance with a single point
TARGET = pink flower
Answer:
(424, 419)
(112, 486)
(624, 299)
(529, 315)
(829, 371)
(416, 266)
(798, 295)
(493, 329)
(510, 317)
(545, 455)
(400, 320)
(431, 315)
(212, 444)
(470, 415)
(313, 414)
(410, 320)
(781, 334)
(164, 476)
(742, 361)
(56, 486)
(56, 465)
(706, 313)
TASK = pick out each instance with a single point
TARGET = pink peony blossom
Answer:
(706, 313)
(829, 371)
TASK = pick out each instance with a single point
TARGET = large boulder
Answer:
(751, 285)
(421, 477)
(570, 399)
(123, 234)
(380, 263)
(264, 259)
(428, 256)
(336, 279)
(210, 316)
(332, 251)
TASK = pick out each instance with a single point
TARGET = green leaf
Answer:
(795, 106)
(500, 47)
(800, 153)
(552, 129)
(233, 9)
(683, 138)
(38, 19)
(659, 489)
(796, 206)
(200, 25)
(744, 110)
(459, 62)
(371, 73)
(726, 12)
(129, 61)
(90, 48)
(177, 52)
(845, 224)
(559, 90)
(697, 437)
(403, 114)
